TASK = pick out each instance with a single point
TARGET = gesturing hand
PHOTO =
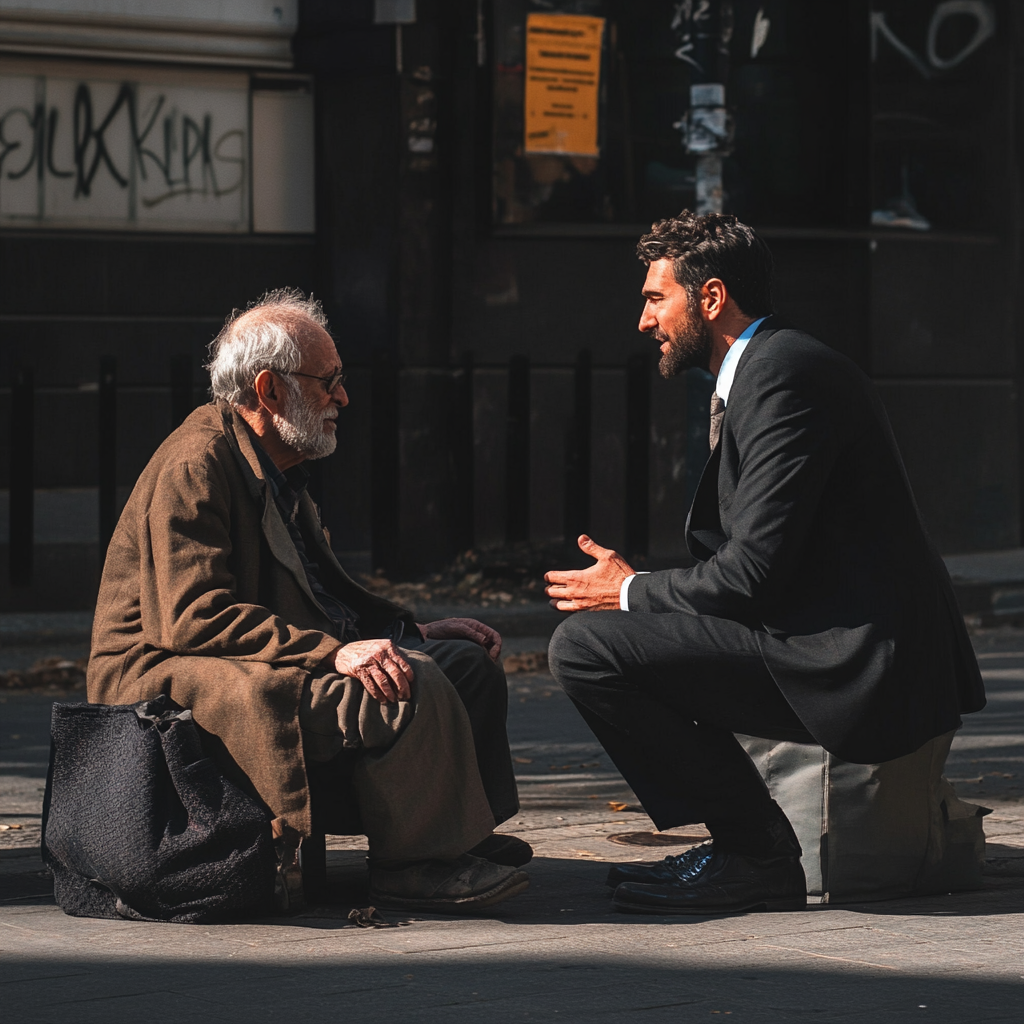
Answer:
(464, 629)
(379, 666)
(588, 590)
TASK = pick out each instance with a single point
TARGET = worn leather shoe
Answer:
(675, 868)
(722, 883)
(445, 886)
(503, 849)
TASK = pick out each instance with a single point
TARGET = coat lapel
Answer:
(280, 542)
(349, 590)
(274, 531)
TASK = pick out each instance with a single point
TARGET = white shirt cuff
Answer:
(624, 590)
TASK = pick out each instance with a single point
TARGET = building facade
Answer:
(463, 183)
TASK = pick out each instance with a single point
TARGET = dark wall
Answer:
(66, 300)
(417, 280)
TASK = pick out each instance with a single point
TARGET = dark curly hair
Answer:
(703, 246)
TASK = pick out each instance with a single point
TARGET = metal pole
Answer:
(462, 435)
(638, 453)
(21, 536)
(517, 452)
(577, 453)
(703, 34)
(107, 468)
(182, 396)
(384, 470)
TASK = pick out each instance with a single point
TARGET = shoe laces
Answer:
(692, 862)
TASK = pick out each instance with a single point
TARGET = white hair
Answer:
(259, 338)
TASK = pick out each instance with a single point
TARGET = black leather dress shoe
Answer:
(668, 871)
(723, 883)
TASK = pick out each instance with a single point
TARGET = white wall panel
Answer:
(282, 155)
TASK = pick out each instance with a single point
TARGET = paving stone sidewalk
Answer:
(559, 952)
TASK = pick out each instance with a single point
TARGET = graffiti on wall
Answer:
(978, 13)
(123, 154)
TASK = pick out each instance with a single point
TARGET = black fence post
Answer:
(577, 454)
(21, 535)
(107, 468)
(638, 447)
(461, 431)
(384, 469)
(517, 452)
(182, 393)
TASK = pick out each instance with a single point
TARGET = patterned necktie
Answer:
(717, 412)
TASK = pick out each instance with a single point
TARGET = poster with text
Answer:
(563, 78)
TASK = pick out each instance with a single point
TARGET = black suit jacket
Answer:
(807, 530)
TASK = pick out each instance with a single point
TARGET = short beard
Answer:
(688, 349)
(302, 427)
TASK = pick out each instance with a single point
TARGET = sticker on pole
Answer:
(563, 77)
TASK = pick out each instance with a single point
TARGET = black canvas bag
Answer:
(138, 823)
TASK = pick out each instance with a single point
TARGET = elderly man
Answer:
(220, 589)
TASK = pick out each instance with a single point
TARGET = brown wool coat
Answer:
(203, 597)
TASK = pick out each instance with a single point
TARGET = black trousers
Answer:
(664, 694)
(480, 684)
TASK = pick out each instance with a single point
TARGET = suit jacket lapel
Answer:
(703, 526)
(704, 534)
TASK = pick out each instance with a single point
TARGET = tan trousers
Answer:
(417, 784)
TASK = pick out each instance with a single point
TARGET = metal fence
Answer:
(385, 467)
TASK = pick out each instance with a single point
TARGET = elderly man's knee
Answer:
(472, 670)
(427, 675)
(482, 684)
(484, 665)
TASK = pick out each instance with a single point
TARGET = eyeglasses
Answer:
(330, 383)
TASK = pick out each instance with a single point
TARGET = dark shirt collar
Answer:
(287, 486)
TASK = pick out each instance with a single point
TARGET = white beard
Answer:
(302, 428)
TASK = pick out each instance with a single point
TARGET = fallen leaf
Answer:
(368, 917)
(616, 806)
(527, 661)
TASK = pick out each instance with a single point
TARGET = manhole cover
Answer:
(656, 839)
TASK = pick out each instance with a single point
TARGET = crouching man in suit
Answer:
(818, 610)
(220, 589)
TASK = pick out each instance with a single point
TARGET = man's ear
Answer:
(713, 297)
(265, 387)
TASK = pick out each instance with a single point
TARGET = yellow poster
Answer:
(563, 75)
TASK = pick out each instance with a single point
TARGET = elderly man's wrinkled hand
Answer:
(379, 666)
(589, 590)
(463, 629)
